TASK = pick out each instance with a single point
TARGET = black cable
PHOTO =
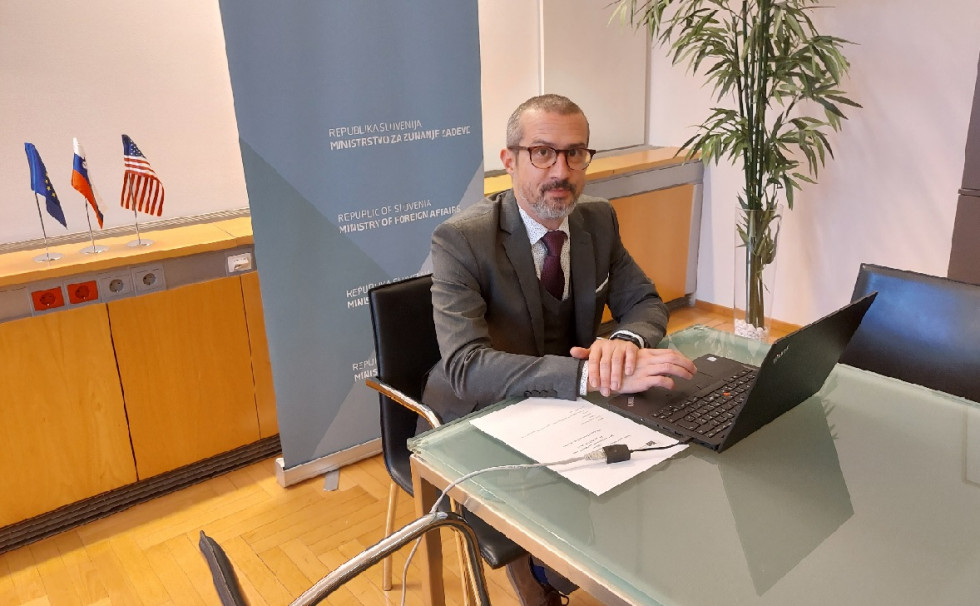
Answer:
(678, 443)
(615, 453)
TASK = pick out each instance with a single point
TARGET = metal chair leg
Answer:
(389, 527)
(465, 567)
(466, 573)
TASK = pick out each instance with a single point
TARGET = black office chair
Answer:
(921, 329)
(230, 592)
(406, 348)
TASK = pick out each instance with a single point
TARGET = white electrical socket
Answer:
(148, 279)
(239, 263)
(115, 285)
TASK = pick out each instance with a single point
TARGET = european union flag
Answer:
(42, 185)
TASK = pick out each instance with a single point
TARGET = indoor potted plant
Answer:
(782, 78)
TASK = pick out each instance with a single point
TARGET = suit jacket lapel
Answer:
(583, 279)
(518, 250)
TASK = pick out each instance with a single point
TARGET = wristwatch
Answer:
(624, 336)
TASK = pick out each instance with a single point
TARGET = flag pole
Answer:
(48, 255)
(138, 241)
(90, 250)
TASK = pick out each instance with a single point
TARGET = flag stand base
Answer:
(94, 249)
(48, 256)
(138, 243)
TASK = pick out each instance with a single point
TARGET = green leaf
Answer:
(765, 58)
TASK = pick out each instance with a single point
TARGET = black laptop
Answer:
(728, 400)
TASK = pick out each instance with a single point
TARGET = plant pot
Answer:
(756, 239)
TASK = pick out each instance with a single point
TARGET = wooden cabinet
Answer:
(63, 433)
(102, 396)
(97, 397)
(655, 227)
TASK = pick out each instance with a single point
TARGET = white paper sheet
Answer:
(547, 429)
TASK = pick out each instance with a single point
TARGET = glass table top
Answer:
(868, 492)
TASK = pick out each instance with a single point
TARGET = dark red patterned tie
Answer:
(552, 277)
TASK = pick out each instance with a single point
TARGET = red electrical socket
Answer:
(83, 292)
(49, 298)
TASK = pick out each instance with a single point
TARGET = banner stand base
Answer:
(325, 464)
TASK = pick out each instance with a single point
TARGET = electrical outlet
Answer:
(149, 279)
(45, 299)
(83, 291)
(115, 285)
(239, 263)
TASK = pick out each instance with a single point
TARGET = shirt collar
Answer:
(535, 230)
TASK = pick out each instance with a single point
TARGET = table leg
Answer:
(430, 550)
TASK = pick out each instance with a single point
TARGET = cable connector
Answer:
(614, 453)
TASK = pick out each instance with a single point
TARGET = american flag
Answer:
(140, 184)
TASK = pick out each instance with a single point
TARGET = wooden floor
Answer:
(280, 540)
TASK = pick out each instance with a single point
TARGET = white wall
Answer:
(156, 71)
(510, 43)
(567, 47)
(889, 196)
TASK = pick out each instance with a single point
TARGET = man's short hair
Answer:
(555, 104)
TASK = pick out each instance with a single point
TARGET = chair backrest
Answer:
(921, 329)
(222, 572)
(406, 348)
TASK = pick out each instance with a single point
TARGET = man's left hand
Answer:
(612, 365)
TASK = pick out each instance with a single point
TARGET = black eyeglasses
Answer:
(542, 156)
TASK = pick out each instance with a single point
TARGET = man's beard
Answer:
(546, 210)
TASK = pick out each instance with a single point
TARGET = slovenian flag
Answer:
(81, 182)
(41, 184)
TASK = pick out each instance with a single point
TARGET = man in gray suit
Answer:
(517, 308)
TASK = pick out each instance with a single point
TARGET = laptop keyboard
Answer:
(711, 414)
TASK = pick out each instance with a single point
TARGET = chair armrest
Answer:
(380, 550)
(407, 401)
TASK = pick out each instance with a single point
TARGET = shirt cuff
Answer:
(583, 382)
(627, 335)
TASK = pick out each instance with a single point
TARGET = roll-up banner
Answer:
(360, 131)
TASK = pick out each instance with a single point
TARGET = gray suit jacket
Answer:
(487, 304)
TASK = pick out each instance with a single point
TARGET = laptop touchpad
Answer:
(711, 369)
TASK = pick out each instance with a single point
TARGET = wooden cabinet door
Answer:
(63, 434)
(265, 396)
(185, 368)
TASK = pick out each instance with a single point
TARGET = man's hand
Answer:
(618, 366)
